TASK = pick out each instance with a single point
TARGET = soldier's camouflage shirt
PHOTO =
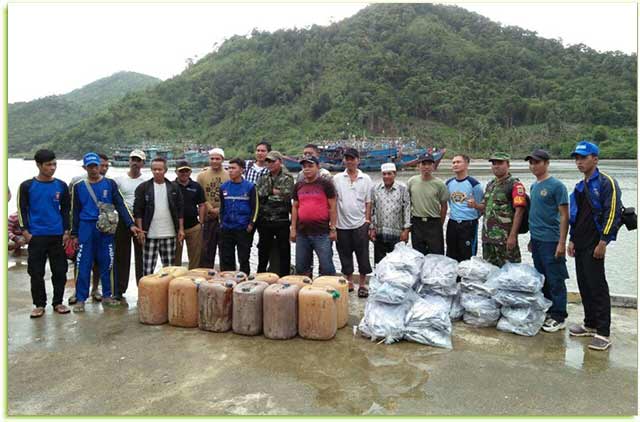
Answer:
(275, 208)
(499, 209)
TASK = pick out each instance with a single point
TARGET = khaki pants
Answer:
(193, 237)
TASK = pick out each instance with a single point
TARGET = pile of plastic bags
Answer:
(391, 294)
(415, 297)
(429, 320)
(410, 297)
(480, 309)
(518, 288)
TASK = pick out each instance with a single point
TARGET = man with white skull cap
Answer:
(390, 213)
(210, 180)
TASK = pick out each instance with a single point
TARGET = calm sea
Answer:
(622, 255)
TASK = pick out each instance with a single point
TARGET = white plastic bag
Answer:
(384, 321)
(428, 322)
(521, 320)
(429, 336)
(475, 320)
(476, 287)
(456, 311)
(477, 303)
(516, 277)
(513, 298)
(391, 292)
(439, 274)
(480, 311)
(402, 258)
(475, 268)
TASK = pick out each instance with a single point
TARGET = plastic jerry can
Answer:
(270, 278)
(280, 316)
(247, 307)
(183, 301)
(153, 298)
(237, 276)
(215, 301)
(342, 286)
(317, 312)
(174, 271)
(298, 280)
(207, 273)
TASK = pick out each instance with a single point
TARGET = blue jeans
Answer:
(555, 273)
(305, 245)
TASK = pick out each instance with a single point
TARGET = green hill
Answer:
(441, 74)
(33, 123)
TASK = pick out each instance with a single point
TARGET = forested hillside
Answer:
(33, 123)
(441, 74)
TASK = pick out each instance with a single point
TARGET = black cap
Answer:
(309, 159)
(352, 152)
(538, 155)
(426, 157)
(182, 165)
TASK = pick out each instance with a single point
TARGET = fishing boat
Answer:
(121, 155)
(371, 158)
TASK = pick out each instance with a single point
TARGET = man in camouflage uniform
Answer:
(503, 206)
(275, 189)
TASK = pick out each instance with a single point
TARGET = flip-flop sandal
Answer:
(351, 288)
(363, 292)
(61, 309)
(37, 312)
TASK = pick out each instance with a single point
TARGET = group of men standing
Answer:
(223, 209)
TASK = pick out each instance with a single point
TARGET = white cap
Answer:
(218, 151)
(138, 153)
(387, 167)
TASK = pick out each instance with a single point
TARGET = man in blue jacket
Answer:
(43, 215)
(95, 244)
(238, 214)
(594, 218)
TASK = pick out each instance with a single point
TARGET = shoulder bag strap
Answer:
(91, 192)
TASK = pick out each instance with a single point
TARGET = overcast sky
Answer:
(55, 48)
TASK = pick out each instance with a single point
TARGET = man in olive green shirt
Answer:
(429, 197)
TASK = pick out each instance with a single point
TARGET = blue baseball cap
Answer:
(90, 158)
(585, 148)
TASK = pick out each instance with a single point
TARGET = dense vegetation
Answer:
(33, 123)
(441, 74)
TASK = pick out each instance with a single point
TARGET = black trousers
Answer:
(123, 241)
(230, 241)
(41, 248)
(274, 236)
(594, 291)
(381, 249)
(426, 236)
(210, 243)
(350, 242)
(462, 239)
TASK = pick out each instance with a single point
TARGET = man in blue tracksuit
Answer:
(238, 214)
(594, 216)
(94, 244)
(43, 214)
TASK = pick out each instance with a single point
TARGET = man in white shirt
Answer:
(159, 211)
(353, 189)
(127, 184)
